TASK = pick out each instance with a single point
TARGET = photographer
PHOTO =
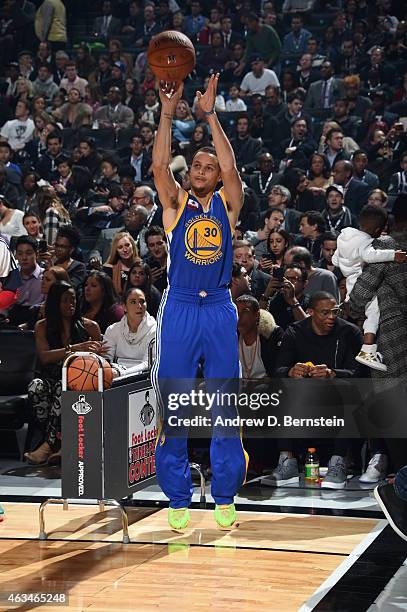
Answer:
(284, 295)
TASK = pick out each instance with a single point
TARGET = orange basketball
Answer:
(171, 56)
(82, 374)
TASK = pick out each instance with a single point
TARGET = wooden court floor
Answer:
(270, 562)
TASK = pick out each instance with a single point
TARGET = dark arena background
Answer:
(312, 99)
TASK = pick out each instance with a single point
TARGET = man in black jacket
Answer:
(245, 147)
(243, 254)
(321, 346)
(356, 192)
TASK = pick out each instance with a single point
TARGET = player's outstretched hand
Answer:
(207, 100)
(170, 95)
(400, 256)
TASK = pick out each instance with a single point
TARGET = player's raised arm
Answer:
(230, 176)
(167, 187)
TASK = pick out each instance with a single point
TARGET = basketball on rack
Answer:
(171, 56)
(82, 374)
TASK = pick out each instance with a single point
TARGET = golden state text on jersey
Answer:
(200, 245)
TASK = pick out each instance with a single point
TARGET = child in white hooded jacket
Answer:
(354, 250)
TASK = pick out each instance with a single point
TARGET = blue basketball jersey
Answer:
(200, 245)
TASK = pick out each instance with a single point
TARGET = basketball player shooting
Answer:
(197, 319)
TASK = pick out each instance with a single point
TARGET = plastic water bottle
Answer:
(311, 466)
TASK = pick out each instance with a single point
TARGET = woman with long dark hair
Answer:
(140, 278)
(100, 301)
(90, 158)
(62, 331)
(200, 138)
(80, 191)
(52, 213)
(278, 242)
(319, 174)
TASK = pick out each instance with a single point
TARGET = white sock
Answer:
(369, 348)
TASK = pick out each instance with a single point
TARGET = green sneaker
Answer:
(178, 518)
(225, 515)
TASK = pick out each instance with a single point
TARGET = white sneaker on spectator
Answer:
(376, 470)
(371, 360)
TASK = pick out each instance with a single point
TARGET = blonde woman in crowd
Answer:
(123, 255)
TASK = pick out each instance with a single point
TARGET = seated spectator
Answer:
(110, 174)
(264, 178)
(278, 242)
(29, 293)
(11, 220)
(317, 279)
(358, 105)
(245, 147)
(78, 193)
(147, 134)
(195, 22)
(20, 130)
(74, 113)
(66, 242)
(215, 57)
(378, 197)
(360, 171)
(131, 96)
(306, 73)
(348, 145)
(106, 25)
(50, 276)
(28, 201)
(53, 215)
(128, 340)
(32, 225)
(278, 126)
(62, 331)
(200, 138)
(312, 226)
(106, 215)
(134, 220)
(243, 254)
(336, 215)
(115, 114)
(73, 80)
(99, 302)
(259, 339)
(144, 197)
(299, 147)
(149, 113)
(150, 28)
(296, 41)
(273, 220)
(9, 183)
(349, 124)
(85, 62)
(183, 123)
(140, 278)
(280, 197)
(398, 182)
(235, 104)
(157, 259)
(102, 76)
(46, 165)
(333, 149)
(356, 191)
(256, 81)
(240, 282)
(319, 174)
(322, 94)
(289, 83)
(44, 84)
(386, 72)
(123, 255)
(90, 158)
(139, 159)
(321, 346)
(285, 299)
(328, 248)
(302, 198)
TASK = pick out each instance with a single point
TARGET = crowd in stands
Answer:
(313, 97)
